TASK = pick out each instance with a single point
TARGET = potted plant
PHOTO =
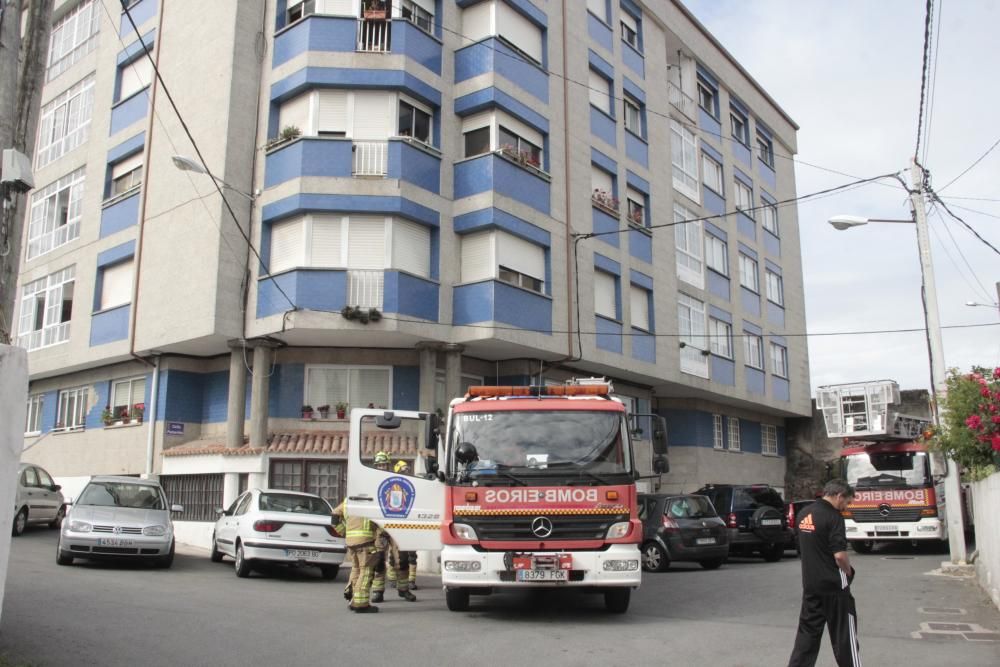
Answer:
(124, 416)
(307, 411)
(341, 409)
(324, 411)
(375, 9)
(107, 416)
(137, 411)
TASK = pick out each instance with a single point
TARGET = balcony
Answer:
(374, 34)
(682, 101)
(50, 335)
(606, 202)
(505, 176)
(371, 159)
(496, 301)
(365, 288)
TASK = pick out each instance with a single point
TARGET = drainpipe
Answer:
(569, 225)
(154, 397)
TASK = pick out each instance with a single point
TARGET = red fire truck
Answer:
(896, 480)
(528, 486)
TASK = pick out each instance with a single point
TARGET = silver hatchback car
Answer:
(38, 500)
(119, 517)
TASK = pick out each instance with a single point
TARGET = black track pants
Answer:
(836, 611)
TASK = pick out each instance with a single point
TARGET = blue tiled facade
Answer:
(413, 164)
(308, 156)
(603, 126)
(410, 295)
(492, 300)
(109, 325)
(606, 224)
(315, 33)
(609, 334)
(492, 172)
(637, 149)
(312, 289)
(643, 346)
(130, 111)
(141, 12)
(600, 32)
(119, 215)
(723, 370)
(772, 244)
(755, 380)
(492, 55)
(640, 245)
(717, 284)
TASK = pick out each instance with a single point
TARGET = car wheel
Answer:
(62, 557)
(863, 546)
(329, 571)
(772, 553)
(166, 561)
(242, 565)
(457, 599)
(20, 522)
(60, 515)
(616, 600)
(216, 554)
(711, 563)
(654, 558)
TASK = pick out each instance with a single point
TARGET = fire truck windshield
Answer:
(888, 469)
(543, 444)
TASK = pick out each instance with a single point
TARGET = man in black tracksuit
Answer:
(826, 579)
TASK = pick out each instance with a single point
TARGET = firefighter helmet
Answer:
(381, 458)
(401, 466)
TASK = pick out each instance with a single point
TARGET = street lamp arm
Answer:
(187, 164)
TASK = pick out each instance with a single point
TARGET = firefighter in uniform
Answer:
(826, 581)
(363, 536)
(403, 562)
(381, 461)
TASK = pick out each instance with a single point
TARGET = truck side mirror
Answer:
(433, 427)
(661, 466)
(659, 435)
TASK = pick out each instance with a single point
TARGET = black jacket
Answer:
(821, 535)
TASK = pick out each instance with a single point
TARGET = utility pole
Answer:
(952, 487)
(22, 73)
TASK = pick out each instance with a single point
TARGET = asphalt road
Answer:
(200, 613)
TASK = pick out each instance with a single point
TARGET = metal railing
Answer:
(50, 335)
(374, 36)
(364, 288)
(371, 158)
(681, 100)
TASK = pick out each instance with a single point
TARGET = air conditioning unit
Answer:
(15, 171)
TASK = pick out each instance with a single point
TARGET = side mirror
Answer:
(177, 508)
(661, 466)
(68, 500)
(388, 420)
(431, 464)
(55, 487)
(939, 467)
(219, 511)
(466, 453)
(433, 431)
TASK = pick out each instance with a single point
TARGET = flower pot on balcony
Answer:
(324, 411)
(375, 14)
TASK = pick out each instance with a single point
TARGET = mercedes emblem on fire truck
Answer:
(884, 509)
(541, 526)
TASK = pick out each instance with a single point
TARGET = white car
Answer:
(38, 499)
(277, 526)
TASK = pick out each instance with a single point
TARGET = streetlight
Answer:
(953, 492)
(188, 164)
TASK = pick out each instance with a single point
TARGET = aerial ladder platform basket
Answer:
(867, 411)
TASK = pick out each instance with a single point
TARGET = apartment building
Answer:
(403, 198)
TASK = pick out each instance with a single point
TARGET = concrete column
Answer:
(259, 396)
(236, 411)
(452, 371)
(230, 488)
(428, 372)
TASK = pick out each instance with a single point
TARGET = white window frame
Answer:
(716, 254)
(684, 158)
(718, 441)
(64, 122)
(417, 108)
(691, 328)
(632, 115)
(126, 175)
(639, 298)
(743, 197)
(753, 350)
(720, 338)
(75, 401)
(300, 9)
(498, 268)
(48, 229)
(315, 401)
(689, 246)
(635, 207)
(33, 416)
(740, 126)
(45, 294)
(733, 443)
(132, 399)
(765, 149)
(119, 270)
(630, 30)
(709, 94)
(73, 37)
(749, 273)
(601, 309)
(779, 360)
(712, 174)
(418, 16)
(768, 440)
(775, 287)
(769, 216)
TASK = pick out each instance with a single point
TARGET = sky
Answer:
(849, 72)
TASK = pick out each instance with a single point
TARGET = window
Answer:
(520, 148)
(134, 76)
(720, 337)
(633, 116)
(508, 275)
(639, 301)
(775, 289)
(414, 122)
(708, 97)
(765, 149)
(691, 331)
(734, 434)
(46, 309)
(769, 216)
(72, 411)
(636, 207)
(748, 273)
(115, 285)
(299, 10)
(753, 350)
(200, 495)
(605, 295)
(717, 440)
(716, 254)
(327, 479)
(73, 37)
(768, 440)
(740, 126)
(519, 32)
(64, 123)
(603, 184)
(56, 212)
(600, 92)
(359, 386)
(688, 242)
(630, 30)
(598, 8)
(712, 174)
(125, 394)
(33, 420)
(779, 360)
(684, 151)
(126, 175)
(502, 256)
(419, 15)
(477, 142)
(744, 198)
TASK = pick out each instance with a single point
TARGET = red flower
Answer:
(995, 419)
(996, 443)
(974, 422)
(985, 391)
(996, 372)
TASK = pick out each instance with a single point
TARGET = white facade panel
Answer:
(518, 30)
(286, 245)
(411, 247)
(477, 21)
(325, 245)
(366, 243)
(332, 116)
(295, 113)
(374, 115)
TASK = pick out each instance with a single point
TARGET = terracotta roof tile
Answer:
(326, 443)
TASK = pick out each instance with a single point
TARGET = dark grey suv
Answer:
(681, 527)
(755, 515)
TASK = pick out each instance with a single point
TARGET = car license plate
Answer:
(541, 575)
(302, 553)
(770, 522)
(114, 542)
(705, 540)
(885, 528)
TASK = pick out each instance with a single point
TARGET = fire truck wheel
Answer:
(863, 546)
(616, 600)
(457, 599)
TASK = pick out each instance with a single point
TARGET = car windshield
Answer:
(122, 494)
(751, 498)
(690, 507)
(290, 502)
(887, 469)
(544, 442)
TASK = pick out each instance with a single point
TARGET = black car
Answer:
(681, 527)
(755, 515)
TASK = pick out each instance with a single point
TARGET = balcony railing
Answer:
(681, 100)
(606, 201)
(374, 35)
(371, 158)
(365, 288)
(50, 335)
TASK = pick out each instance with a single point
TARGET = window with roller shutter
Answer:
(116, 285)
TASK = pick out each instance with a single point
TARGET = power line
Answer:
(923, 73)
(967, 225)
(970, 167)
(989, 199)
(933, 83)
(982, 291)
